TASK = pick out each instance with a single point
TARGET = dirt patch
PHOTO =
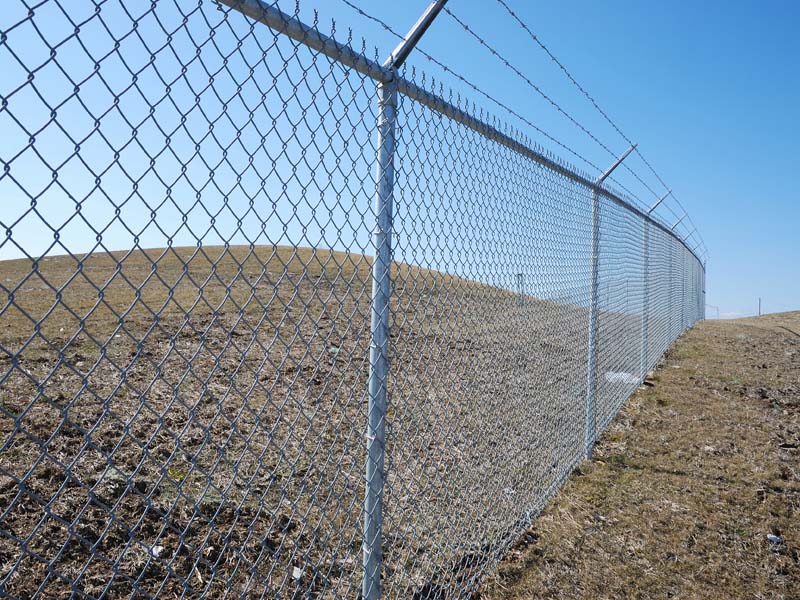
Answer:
(190, 422)
(693, 491)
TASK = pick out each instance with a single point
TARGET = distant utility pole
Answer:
(759, 306)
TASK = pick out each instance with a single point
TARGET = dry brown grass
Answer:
(212, 404)
(160, 412)
(687, 483)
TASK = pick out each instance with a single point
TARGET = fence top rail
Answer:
(295, 29)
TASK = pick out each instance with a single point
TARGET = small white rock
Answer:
(156, 551)
(297, 573)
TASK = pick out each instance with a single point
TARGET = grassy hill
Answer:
(193, 419)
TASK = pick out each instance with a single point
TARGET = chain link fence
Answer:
(217, 328)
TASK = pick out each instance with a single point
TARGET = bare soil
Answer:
(693, 491)
(190, 422)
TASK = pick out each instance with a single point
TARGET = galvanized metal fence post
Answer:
(704, 292)
(645, 308)
(381, 294)
(379, 346)
(591, 374)
(683, 295)
(591, 377)
(646, 277)
(672, 275)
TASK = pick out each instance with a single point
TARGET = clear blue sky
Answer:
(709, 90)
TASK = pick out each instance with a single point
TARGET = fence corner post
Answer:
(379, 342)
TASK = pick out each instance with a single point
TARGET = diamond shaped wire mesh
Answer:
(489, 349)
(186, 419)
(185, 316)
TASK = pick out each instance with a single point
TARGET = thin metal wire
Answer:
(632, 196)
(561, 66)
(594, 103)
(189, 323)
(527, 80)
(475, 88)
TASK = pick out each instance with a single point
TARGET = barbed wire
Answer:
(536, 39)
(527, 80)
(632, 196)
(558, 107)
(694, 226)
(599, 109)
(505, 107)
(475, 88)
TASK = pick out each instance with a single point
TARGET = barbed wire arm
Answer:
(400, 53)
(658, 202)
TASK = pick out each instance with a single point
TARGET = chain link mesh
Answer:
(185, 320)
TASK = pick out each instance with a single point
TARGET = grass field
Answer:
(184, 422)
(694, 474)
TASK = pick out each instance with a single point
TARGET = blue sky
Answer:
(709, 90)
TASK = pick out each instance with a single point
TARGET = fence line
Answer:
(229, 366)
(279, 21)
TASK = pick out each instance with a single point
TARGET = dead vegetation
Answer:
(189, 422)
(694, 490)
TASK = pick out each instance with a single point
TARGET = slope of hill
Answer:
(191, 421)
